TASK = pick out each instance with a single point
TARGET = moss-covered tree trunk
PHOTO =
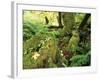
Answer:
(68, 21)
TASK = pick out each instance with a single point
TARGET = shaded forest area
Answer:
(56, 39)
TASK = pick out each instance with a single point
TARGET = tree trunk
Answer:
(68, 21)
(83, 23)
(59, 19)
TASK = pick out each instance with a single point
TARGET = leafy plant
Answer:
(80, 60)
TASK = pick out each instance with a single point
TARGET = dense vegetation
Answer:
(56, 39)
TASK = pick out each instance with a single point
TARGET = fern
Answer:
(80, 60)
(31, 28)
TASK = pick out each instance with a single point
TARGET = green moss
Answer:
(46, 42)
(48, 51)
(28, 62)
(73, 42)
(68, 21)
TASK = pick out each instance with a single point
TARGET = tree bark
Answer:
(59, 19)
(68, 21)
(83, 23)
